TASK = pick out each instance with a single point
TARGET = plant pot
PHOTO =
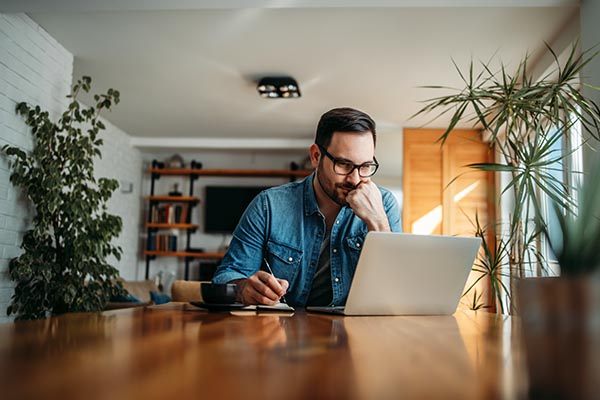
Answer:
(561, 333)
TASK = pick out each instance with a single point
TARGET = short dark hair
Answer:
(343, 119)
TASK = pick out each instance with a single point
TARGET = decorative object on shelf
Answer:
(282, 87)
(175, 191)
(175, 161)
(63, 267)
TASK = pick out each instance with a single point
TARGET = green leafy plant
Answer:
(490, 266)
(525, 119)
(576, 243)
(477, 303)
(63, 267)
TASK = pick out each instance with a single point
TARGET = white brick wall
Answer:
(35, 68)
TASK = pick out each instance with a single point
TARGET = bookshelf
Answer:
(162, 214)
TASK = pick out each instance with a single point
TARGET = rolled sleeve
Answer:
(393, 211)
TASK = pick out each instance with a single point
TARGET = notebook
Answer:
(279, 307)
(408, 274)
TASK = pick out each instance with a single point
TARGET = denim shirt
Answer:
(284, 225)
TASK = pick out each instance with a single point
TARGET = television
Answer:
(224, 206)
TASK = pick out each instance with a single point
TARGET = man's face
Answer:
(354, 147)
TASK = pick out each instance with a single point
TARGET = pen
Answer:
(273, 275)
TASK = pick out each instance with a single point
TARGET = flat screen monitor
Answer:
(224, 206)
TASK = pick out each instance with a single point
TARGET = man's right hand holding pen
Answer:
(261, 288)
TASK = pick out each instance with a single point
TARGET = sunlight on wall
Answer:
(430, 221)
(465, 192)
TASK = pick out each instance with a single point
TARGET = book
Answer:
(151, 243)
(281, 307)
(172, 242)
(184, 214)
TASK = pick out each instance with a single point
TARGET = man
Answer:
(310, 233)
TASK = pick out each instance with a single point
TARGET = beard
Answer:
(335, 191)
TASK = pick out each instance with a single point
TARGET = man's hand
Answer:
(261, 288)
(367, 204)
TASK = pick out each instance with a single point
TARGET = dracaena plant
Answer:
(64, 266)
(576, 241)
(490, 266)
(524, 118)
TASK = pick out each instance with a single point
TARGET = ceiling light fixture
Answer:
(278, 87)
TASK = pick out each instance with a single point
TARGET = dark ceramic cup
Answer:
(218, 293)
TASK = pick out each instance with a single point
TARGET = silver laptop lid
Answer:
(408, 274)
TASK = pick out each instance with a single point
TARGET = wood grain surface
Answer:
(178, 351)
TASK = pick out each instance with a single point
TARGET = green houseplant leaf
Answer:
(63, 266)
(576, 243)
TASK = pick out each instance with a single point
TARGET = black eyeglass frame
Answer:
(336, 161)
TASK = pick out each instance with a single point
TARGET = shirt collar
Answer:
(310, 201)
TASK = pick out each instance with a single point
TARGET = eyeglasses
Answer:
(343, 167)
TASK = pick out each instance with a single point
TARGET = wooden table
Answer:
(176, 351)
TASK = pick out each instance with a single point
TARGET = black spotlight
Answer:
(278, 87)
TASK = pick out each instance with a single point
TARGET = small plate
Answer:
(218, 307)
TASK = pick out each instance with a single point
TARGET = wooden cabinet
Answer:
(163, 217)
(442, 195)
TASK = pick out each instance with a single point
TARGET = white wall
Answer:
(37, 69)
(122, 162)
(590, 37)
(389, 153)
(34, 68)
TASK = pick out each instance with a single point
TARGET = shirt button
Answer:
(335, 250)
(357, 244)
(337, 279)
(290, 259)
(337, 221)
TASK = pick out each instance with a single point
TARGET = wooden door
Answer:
(442, 195)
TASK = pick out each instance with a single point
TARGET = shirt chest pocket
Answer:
(355, 242)
(284, 260)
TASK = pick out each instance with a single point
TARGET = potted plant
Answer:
(525, 120)
(561, 315)
(63, 266)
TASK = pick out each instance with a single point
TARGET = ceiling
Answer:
(190, 72)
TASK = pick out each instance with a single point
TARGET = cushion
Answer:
(159, 298)
(125, 299)
(138, 295)
(141, 289)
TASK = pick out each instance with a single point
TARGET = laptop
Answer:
(408, 274)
